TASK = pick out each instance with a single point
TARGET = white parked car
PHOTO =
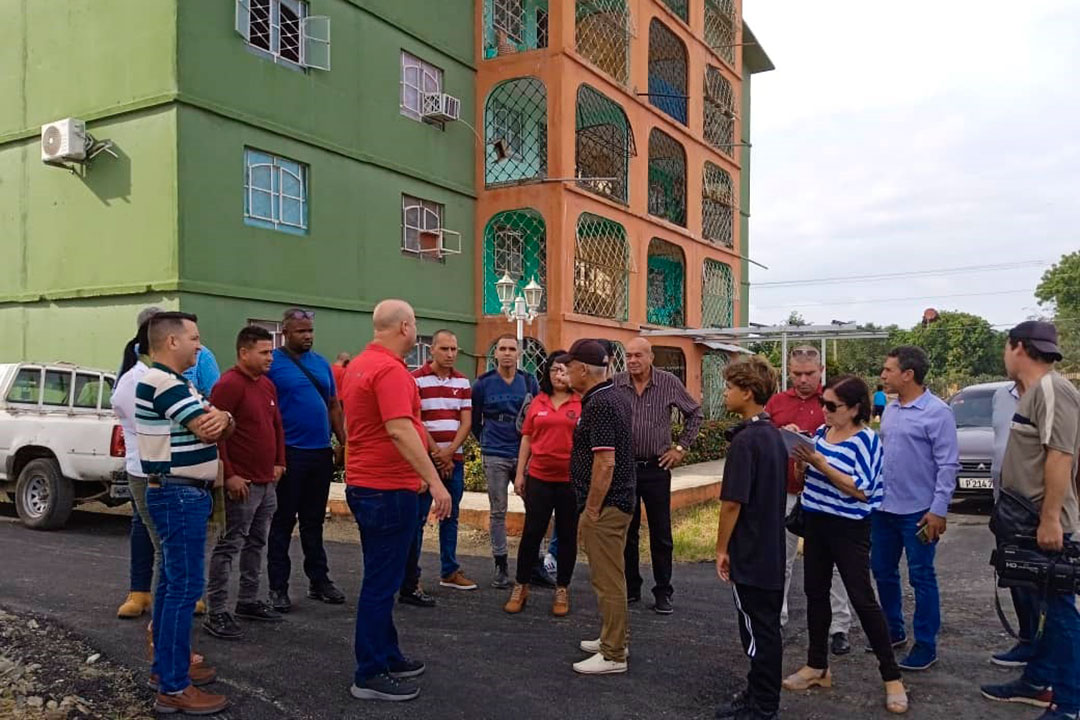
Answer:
(60, 443)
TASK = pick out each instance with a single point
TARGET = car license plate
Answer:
(976, 484)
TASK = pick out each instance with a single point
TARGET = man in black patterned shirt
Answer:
(653, 393)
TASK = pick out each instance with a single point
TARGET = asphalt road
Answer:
(483, 663)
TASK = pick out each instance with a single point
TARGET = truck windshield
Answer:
(973, 408)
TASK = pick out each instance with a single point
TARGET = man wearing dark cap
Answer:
(602, 470)
(1041, 462)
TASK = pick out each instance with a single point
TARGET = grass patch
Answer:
(693, 531)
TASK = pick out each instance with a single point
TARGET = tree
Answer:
(1059, 292)
(796, 319)
(959, 345)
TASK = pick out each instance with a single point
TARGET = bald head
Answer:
(639, 358)
(395, 326)
(391, 313)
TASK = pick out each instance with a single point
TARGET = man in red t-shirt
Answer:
(799, 408)
(388, 466)
(338, 369)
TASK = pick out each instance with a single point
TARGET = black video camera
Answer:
(1020, 562)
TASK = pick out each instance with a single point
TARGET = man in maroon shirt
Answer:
(254, 460)
(799, 409)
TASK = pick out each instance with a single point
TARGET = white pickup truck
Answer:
(60, 443)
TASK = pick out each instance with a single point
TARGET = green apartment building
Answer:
(268, 153)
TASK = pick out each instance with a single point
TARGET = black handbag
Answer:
(795, 522)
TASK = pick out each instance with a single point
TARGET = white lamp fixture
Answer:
(521, 308)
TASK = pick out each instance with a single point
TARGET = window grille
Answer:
(720, 28)
(420, 355)
(666, 284)
(719, 108)
(680, 8)
(283, 30)
(275, 192)
(602, 31)
(667, 178)
(667, 71)
(418, 78)
(718, 207)
(618, 352)
(717, 295)
(603, 146)
(672, 360)
(277, 334)
(513, 26)
(515, 242)
(533, 356)
(713, 384)
(419, 216)
(515, 122)
(601, 268)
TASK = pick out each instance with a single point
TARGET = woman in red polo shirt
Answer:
(543, 479)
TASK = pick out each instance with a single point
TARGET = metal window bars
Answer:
(515, 129)
(717, 295)
(602, 32)
(667, 178)
(712, 385)
(515, 242)
(667, 72)
(718, 207)
(417, 217)
(719, 109)
(601, 268)
(721, 28)
(513, 26)
(618, 357)
(604, 144)
(680, 8)
(672, 360)
(666, 284)
(533, 356)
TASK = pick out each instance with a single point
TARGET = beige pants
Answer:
(605, 541)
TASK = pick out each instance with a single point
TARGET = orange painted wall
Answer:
(562, 71)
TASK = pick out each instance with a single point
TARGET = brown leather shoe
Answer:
(560, 606)
(192, 701)
(200, 675)
(518, 597)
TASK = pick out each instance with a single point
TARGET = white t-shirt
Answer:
(123, 404)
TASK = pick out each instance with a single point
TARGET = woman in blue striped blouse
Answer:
(843, 485)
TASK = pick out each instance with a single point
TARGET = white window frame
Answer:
(417, 216)
(274, 327)
(312, 33)
(418, 78)
(421, 353)
(277, 193)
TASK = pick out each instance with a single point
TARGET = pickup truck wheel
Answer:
(44, 498)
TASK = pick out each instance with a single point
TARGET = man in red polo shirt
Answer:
(799, 408)
(254, 460)
(388, 467)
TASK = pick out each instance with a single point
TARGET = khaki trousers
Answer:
(605, 542)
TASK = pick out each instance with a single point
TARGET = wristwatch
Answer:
(680, 448)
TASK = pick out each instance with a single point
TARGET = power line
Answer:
(875, 301)
(906, 274)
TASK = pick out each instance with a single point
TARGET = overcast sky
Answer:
(912, 136)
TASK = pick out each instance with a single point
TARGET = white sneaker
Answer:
(593, 646)
(599, 665)
(551, 564)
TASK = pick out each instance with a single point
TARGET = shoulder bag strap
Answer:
(307, 373)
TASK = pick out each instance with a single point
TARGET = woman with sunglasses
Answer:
(843, 485)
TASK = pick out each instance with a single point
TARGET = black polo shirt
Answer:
(755, 476)
(605, 424)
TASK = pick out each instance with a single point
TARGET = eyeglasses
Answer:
(831, 406)
(300, 315)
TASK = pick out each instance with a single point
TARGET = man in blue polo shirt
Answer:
(310, 411)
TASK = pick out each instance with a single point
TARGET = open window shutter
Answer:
(243, 19)
(316, 42)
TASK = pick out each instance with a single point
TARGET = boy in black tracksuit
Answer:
(750, 543)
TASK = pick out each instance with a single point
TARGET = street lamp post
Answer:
(520, 309)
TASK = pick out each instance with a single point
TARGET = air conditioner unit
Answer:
(63, 140)
(440, 106)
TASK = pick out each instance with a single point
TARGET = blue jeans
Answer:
(142, 555)
(1026, 603)
(890, 536)
(448, 528)
(412, 560)
(553, 543)
(387, 522)
(1056, 661)
(180, 514)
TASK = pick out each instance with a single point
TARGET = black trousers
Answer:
(832, 540)
(759, 628)
(302, 493)
(654, 491)
(541, 499)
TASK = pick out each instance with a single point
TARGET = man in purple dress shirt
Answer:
(921, 460)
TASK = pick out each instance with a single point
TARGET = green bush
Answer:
(474, 470)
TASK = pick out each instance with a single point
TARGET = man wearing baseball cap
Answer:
(603, 472)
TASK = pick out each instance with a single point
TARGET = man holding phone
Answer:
(919, 474)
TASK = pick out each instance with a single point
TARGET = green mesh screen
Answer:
(603, 146)
(719, 108)
(667, 71)
(672, 360)
(718, 206)
(513, 26)
(666, 284)
(712, 385)
(601, 268)
(717, 295)
(515, 242)
(515, 128)
(680, 8)
(602, 30)
(667, 178)
(533, 356)
(720, 28)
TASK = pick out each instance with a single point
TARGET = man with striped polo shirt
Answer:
(446, 411)
(177, 435)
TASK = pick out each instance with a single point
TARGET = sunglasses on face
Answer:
(831, 406)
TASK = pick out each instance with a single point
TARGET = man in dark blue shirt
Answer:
(498, 398)
(310, 411)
